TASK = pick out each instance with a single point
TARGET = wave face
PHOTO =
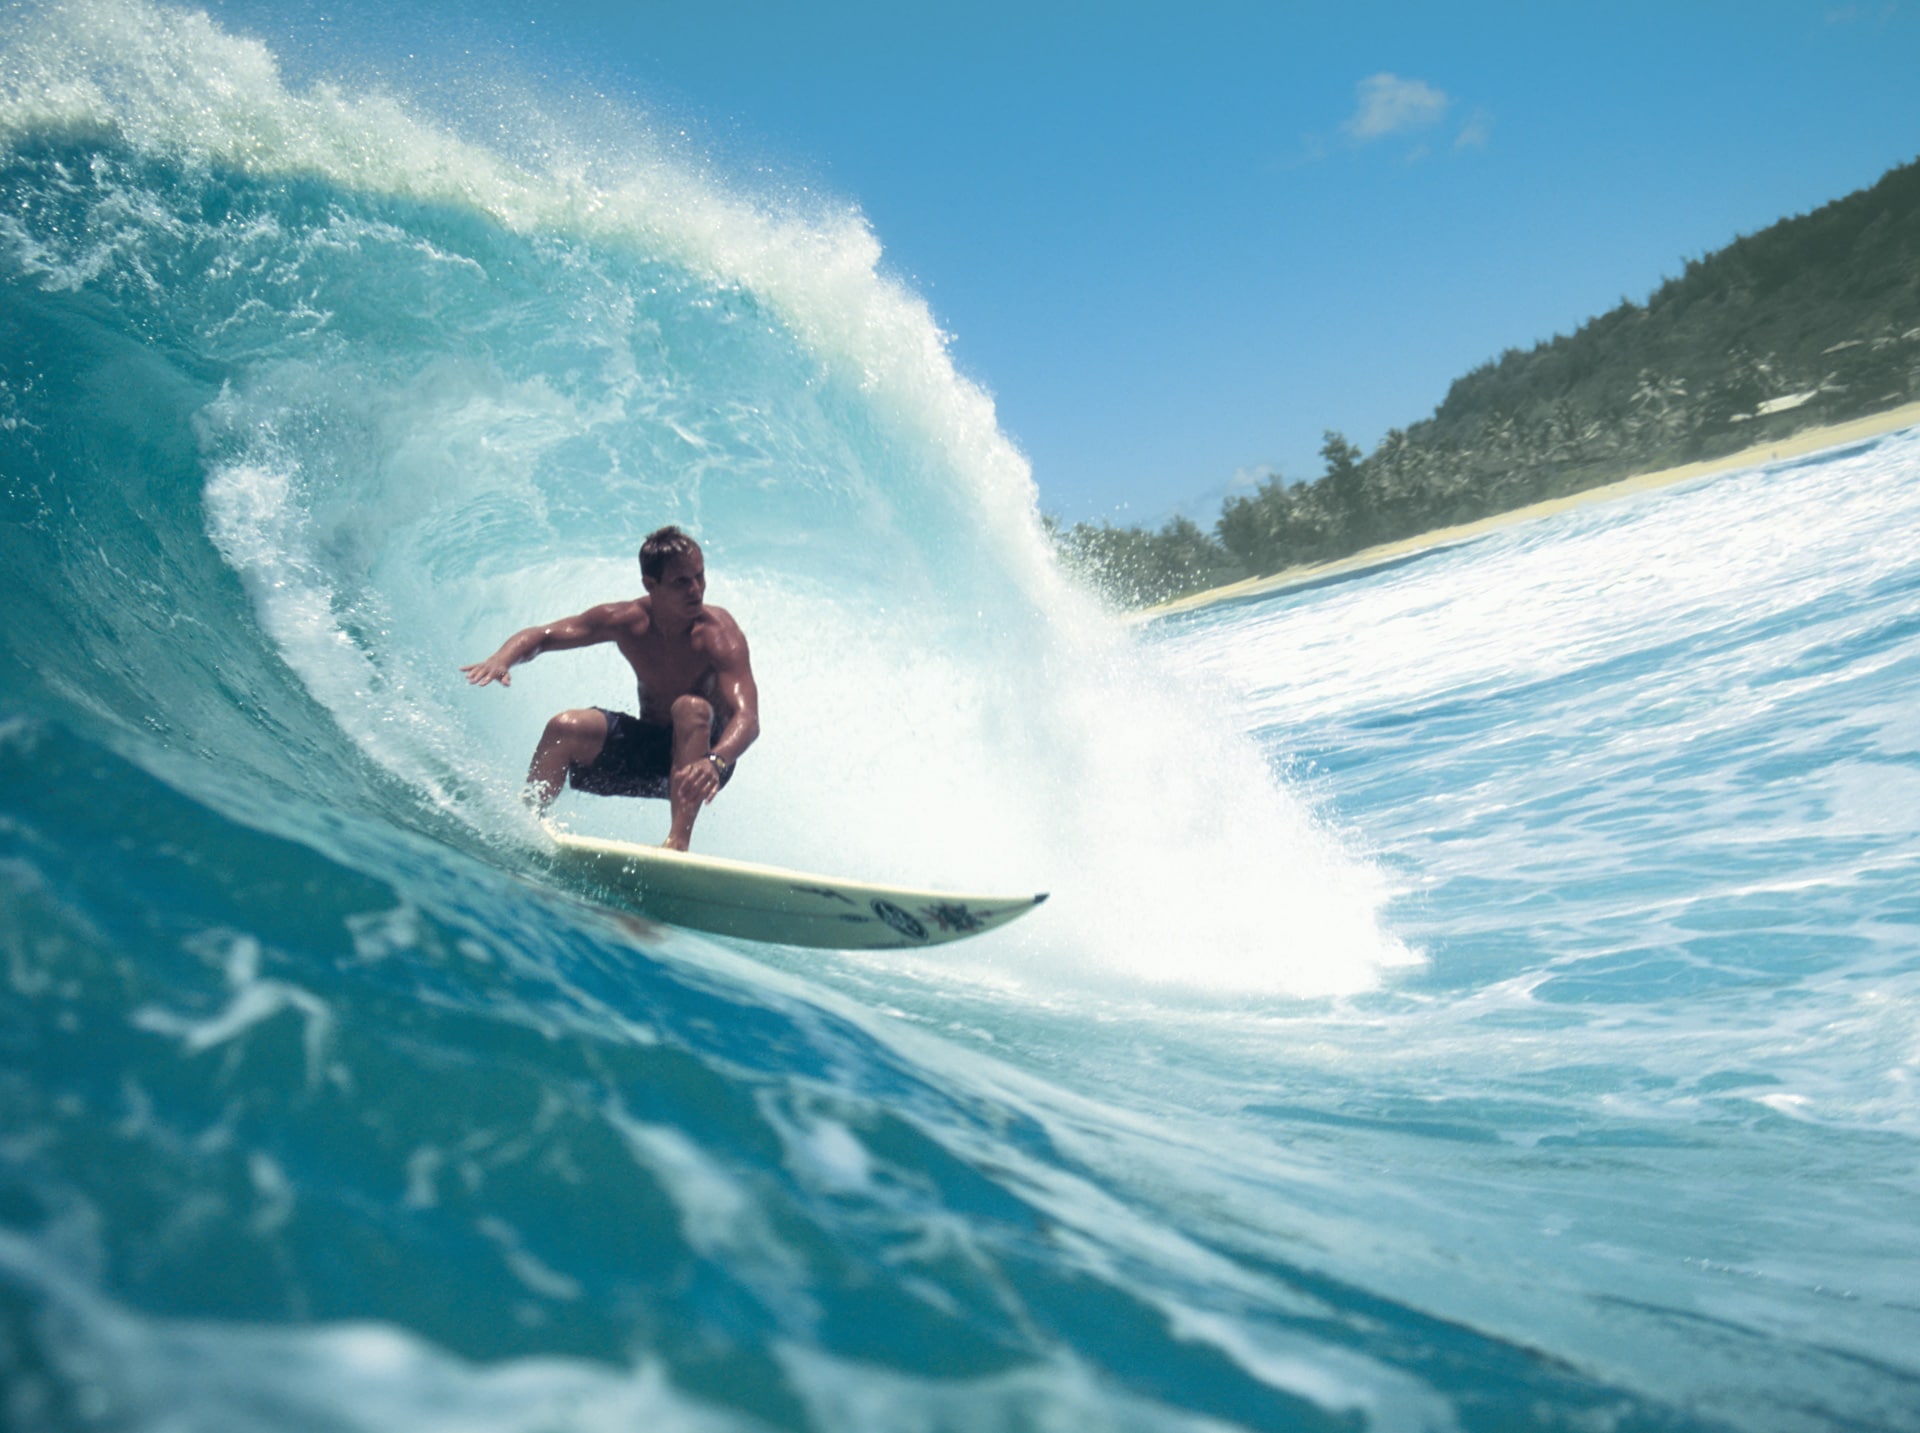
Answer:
(411, 393)
(325, 1104)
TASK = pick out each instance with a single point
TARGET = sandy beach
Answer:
(1799, 445)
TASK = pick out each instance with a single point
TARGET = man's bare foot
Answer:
(672, 845)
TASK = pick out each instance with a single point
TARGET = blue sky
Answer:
(1177, 241)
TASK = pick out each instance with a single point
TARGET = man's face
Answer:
(683, 583)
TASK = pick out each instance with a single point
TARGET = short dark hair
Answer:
(662, 547)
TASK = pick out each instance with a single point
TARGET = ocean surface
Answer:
(1480, 994)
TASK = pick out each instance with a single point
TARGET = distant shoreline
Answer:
(1797, 445)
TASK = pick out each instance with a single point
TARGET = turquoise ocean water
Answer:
(1483, 994)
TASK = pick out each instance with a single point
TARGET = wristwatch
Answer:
(720, 764)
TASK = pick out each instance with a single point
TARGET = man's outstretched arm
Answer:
(582, 630)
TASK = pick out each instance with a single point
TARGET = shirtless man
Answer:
(699, 708)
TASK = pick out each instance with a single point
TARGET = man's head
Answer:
(674, 574)
(663, 546)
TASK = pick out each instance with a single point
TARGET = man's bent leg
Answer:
(572, 738)
(692, 740)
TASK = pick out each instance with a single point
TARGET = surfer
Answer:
(699, 708)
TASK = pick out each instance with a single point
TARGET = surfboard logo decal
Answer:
(900, 920)
(949, 916)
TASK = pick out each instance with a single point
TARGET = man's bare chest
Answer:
(666, 668)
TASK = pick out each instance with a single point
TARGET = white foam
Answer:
(252, 1002)
(148, 1373)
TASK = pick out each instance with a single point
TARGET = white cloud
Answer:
(1876, 15)
(1475, 133)
(1390, 105)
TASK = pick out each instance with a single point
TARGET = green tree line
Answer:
(1814, 320)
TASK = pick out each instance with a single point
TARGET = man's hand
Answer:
(697, 780)
(494, 669)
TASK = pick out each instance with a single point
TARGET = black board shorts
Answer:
(637, 759)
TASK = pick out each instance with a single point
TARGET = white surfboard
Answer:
(754, 902)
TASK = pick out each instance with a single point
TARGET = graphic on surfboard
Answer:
(767, 903)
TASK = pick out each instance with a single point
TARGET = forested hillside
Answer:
(1814, 320)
